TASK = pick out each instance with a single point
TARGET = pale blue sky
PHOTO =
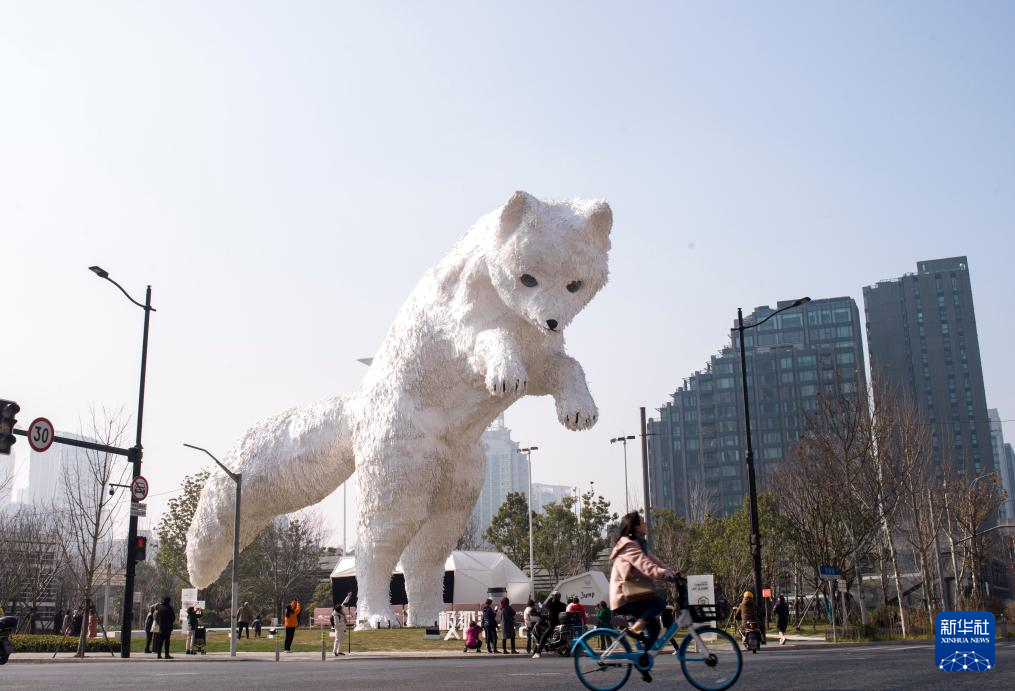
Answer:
(283, 173)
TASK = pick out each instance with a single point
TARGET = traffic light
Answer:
(8, 413)
(140, 548)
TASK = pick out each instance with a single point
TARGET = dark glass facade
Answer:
(921, 335)
(697, 445)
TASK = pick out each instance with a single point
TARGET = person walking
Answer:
(781, 619)
(257, 625)
(490, 626)
(338, 623)
(149, 620)
(632, 592)
(604, 620)
(243, 618)
(506, 619)
(57, 621)
(292, 620)
(77, 622)
(192, 623)
(165, 615)
(530, 618)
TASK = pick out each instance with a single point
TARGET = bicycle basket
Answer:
(703, 613)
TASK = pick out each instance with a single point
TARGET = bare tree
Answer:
(90, 511)
(39, 557)
(701, 501)
(471, 537)
(281, 561)
(971, 502)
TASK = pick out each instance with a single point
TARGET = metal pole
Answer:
(128, 596)
(345, 517)
(238, 477)
(751, 481)
(532, 558)
(644, 477)
(627, 509)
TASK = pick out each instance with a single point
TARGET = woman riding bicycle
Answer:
(631, 589)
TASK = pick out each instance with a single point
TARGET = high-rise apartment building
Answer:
(38, 477)
(506, 471)
(1006, 473)
(921, 336)
(697, 446)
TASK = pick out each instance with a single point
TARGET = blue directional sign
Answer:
(964, 641)
(830, 572)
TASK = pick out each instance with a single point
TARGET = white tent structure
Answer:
(591, 587)
(468, 578)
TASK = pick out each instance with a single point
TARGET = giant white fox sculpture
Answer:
(481, 329)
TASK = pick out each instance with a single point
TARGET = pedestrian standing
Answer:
(149, 621)
(506, 619)
(490, 626)
(57, 621)
(292, 620)
(243, 618)
(257, 625)
(77, 622)
(338, 623)
(193, 615)
(68, 623)
(530, 618)
(604, 620)
(781, 619)
(93, 623)
(165, 615)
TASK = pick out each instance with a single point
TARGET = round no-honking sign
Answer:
(139, 488)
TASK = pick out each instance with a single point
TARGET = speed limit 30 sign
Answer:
(40, 434)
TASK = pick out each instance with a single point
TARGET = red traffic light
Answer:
(140, 548)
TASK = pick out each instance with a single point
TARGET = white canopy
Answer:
(474, 573)
(591, 587)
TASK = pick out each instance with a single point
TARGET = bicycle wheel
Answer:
(717, 670)
(596, 672)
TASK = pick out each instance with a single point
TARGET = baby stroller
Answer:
(200, 639)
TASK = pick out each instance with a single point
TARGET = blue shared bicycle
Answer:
(710, 666)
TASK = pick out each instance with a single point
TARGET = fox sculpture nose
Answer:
(552, 323)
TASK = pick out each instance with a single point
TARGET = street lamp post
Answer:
(751, 482)
(238, 479)
(528, 454)
(135, 459)
(623, 440)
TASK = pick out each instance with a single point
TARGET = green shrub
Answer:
(46, 643)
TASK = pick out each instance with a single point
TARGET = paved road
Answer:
(876, 666)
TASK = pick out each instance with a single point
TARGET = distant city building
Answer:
(1001, 463)
(38, 477)
(506, 471)
(546, 494)
(697, 445)
(1009, 455)
(921, 334)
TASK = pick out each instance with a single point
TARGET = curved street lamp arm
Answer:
(230, 473)
(129, 297)
(796, 303)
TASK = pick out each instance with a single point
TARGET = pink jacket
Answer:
(631, 562)
(472, 635)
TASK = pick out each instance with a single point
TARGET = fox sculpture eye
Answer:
(529, 281)
(574, 286)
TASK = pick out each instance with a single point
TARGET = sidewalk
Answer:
(793, 642)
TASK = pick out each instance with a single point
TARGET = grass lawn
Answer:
(309, 640)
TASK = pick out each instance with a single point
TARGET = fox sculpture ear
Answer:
(520, 205)
(601, 222)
